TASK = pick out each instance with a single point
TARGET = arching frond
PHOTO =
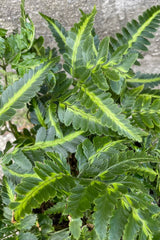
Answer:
(136, 33)
(46, 140)
(74, 62)
(33, 191)
(23, 90)
(148, 80)
(145, 112)
(58, 31)
(108, 113)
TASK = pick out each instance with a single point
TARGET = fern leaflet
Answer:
(23, 90)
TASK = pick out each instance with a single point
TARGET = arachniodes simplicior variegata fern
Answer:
(92, 158)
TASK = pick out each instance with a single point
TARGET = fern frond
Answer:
(132, 227)
(23, 14)
(81, 198)
(103, 113)
(46, 140)
(141, 218)
(138, 225)
(57, 208)
(58, 31)
(52, 121)
(117, 55)
(146, 172)
(108, 113)
(101, 148)
(27, 28)
(59, 163)
(80, 118)
(126, 162)
(132, 222)
(103, 51)
(145, 112)
(129, 98)
(117, 222)
(23, 90)
(152, 93)
(62, 84)
(39, 111)
(148, 80)
(15, 174)
(74, 62)
(137, 32)
(104, 206)
(7, 194)
(99, 79)
(20, 167)
(33, 191)
(101, 183)
(127, 62)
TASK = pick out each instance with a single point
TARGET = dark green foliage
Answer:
(88, 167)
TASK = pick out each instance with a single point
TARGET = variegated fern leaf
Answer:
(23, 90)
(111, 198)
(136, 33)
(148, 80)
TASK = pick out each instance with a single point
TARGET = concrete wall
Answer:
(111, 16)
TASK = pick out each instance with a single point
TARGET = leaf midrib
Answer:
(22, 90)
(59, 141)
(104, 148)
(143, 80)
(78, 38)
(35, 190)
(109, 114)
(140, 30)
(57, 29)
(126, 161)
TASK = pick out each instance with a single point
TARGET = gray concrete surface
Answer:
(111, 16)
(4, 139)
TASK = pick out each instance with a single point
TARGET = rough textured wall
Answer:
(111, 16)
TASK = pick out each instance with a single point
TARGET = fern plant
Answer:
(89, 166)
